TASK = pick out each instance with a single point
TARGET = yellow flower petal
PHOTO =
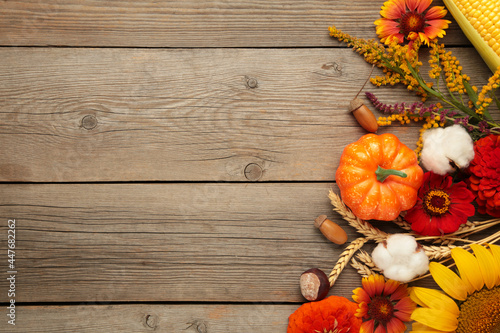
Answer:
(448, 281)
(495, 251)
(434, 299)
(468, 267)
(421, 328)
(486, 265)
(437, 319)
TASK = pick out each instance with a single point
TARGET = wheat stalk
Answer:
(366, 259)
(363, 227)
(402, 223)
(362, 269)
(438, 252)
(344, 259)
(365, 266)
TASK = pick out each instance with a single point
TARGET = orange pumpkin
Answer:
(379, 177)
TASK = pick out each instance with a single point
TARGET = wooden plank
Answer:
(168, 242)
(168, 318)
(175, 115)
(189, 23)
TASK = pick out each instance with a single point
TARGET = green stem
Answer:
(431, 91)
(382, 173)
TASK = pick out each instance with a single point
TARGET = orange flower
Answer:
(411, 19)
(386, 305)
(334, 314)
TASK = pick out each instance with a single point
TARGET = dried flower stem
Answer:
(344, 259)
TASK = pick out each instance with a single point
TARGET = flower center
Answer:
(480, 313)
(436, 202)
(381, 309)
(411, 22)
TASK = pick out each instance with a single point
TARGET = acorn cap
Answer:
(355, 104)
(319, 221)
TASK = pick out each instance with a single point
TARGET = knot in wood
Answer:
(253, 172)
(152, 321)
(89, 122)
(199, 326)
(252, 82)
(332, 69)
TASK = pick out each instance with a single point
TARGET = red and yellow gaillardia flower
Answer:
(411, 20)
(334, 314)
(385, 304)
(476, 290)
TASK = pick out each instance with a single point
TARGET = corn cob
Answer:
(480, 22)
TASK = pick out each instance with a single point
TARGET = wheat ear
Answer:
(344, 259)
(365, 266)
(362, 269)
(363, 227)
(438, 252)
(366, 259)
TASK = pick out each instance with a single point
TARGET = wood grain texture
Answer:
(167, 318)
(73, 115)
(134, 114)
(189, 23)
(169, 242)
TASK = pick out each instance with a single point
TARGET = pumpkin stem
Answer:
(382, 173)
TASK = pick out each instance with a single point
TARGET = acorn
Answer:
(331, 230)
(363, 115)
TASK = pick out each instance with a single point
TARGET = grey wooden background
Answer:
(164, 160)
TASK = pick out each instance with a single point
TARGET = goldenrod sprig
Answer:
(400, 64)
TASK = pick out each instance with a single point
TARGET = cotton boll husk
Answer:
(440, 145)
(400, 258)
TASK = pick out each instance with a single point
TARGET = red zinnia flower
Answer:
(411, 19)
(334, 314)
(441, 206)
(387, 304)
(485, 178)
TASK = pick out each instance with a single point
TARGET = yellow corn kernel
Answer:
(480, 22)
(493, 30)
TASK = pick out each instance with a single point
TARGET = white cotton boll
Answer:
(442, 145)
(401, 245)
(400, 258)
(419, 262)
(399, 273)
(432, 155)
(383, 257)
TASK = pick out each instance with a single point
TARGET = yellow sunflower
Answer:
(473, 301)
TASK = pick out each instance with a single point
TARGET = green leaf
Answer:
(472, 94)
(497, 101)
(421, 82)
